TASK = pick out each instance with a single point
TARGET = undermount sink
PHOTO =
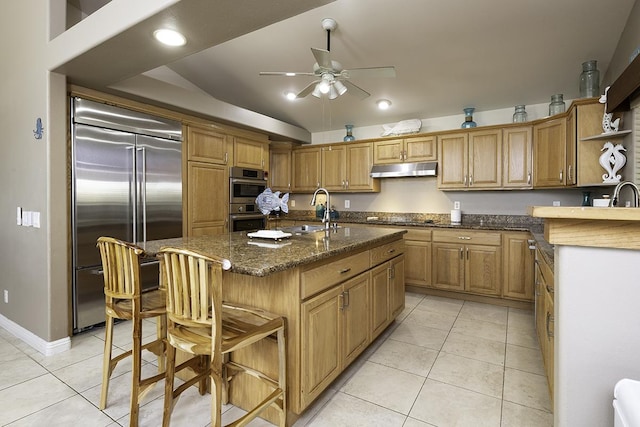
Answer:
(303, 229)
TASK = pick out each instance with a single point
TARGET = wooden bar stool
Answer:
(199, 323)
(124, 300)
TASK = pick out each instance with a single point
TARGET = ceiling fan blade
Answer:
(323, 58)
(308, 89)
(369, 72)
(284, 73)
(355, 90)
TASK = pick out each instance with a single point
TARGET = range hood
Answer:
(397, 170)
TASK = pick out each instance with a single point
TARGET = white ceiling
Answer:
(451, 54)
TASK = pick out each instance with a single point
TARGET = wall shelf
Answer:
(610, 135)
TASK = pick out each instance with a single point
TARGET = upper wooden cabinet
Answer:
(306, 169)
(550, 153)
(341, 168)
(470, 160)
(248, 153)
(517, 153)
(206, 144)
(417, 149)
(280, 169)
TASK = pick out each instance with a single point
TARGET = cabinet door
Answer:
(389, 151)
(517, 151)
(453, 160)
(571, 159)
(306, 169)
(418, 262)
(420, 149)
(379, 299)
(207, 145)
(550, 341)
(482, 269)
(540, 286)
(518, 260)
(333, 165)
(355, 317)
(396, 286)
(359, 162)
(280, 170)
(549, 153)
(485, 159)
(321, 343)
(207, 198)
(248, 153)
(448, 266)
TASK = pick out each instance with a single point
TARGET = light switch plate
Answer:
(556, 203)
(19, 216)
(35, 219)
(26, 218)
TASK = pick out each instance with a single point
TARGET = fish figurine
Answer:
(268, 202)
(402, 127)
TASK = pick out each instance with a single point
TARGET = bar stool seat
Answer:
(125, 301)
(199, 323)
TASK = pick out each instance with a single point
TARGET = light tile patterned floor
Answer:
(443, 363)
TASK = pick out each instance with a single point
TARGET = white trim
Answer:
(48, 348)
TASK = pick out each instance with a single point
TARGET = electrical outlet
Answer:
(293, 203)
(456, 205)
(556, 203)
(347, 204)
(6, 296)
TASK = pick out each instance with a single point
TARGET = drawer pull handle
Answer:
(464, 238)
(346, 270)
(390, 251)
(549, 289)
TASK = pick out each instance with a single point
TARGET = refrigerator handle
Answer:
(133, 197)
(143, 192)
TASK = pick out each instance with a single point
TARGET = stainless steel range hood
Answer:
(404, 169)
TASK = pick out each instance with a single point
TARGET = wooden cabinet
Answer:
(280, 169)
(517, 153)
(341, 168)
(416, 149)
(470, 160)
(518, 266)
(550, 154)
(248, 153)
(306, 169)
(467, 261)
(545, 317)
(207, 144)
(396, 286)
(207, 211)
(417, 270)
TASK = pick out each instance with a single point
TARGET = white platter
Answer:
(274, 245)
(270, 234)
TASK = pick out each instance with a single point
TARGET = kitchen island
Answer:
(338, 290)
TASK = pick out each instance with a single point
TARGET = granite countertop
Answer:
(260, 257)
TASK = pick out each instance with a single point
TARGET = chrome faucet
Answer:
(326, 219)
(636, 193)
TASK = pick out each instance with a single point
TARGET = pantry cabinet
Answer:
(401, 150)
(470, 160)
(207, 211)
(467, 260)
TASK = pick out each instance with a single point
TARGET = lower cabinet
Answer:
(518, 274)
(473, 266)
(545, 318)
(418, 256)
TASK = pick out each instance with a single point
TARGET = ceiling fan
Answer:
(332, 79)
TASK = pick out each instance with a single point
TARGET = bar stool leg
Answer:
(106, 361)
(136, 374)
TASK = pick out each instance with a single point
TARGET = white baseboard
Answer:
(48, 348)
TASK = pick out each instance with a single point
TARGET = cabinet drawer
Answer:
(422, 235)
(468, 237)
(547, 274)
(385, 252)
(337, 270)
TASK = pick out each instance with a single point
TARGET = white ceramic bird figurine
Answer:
(612, 160)
(608, 126)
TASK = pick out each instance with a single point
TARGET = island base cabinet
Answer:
(387, 294)
(335, 332)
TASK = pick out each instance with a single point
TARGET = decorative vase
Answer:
(349, 136)
(590, 79)
(520, 116)
(468, 118)
(557, 105)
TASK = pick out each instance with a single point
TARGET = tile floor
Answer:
(443, 363)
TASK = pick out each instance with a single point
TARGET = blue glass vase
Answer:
(349, 136)
(468, 118)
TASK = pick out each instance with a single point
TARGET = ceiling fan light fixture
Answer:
(316, 91)
(339, 87)
(383, 104)
(169, 37)
(324, 86)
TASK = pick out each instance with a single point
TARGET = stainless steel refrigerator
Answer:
(127, 184)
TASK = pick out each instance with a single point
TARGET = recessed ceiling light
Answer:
(169, 37)
(383, 104)
(290, 95)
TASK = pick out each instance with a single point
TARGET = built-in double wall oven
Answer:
(244, 186)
